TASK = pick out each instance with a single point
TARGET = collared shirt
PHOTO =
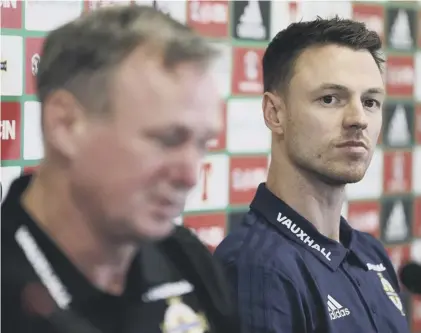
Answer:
(289, 278)
(162, 291)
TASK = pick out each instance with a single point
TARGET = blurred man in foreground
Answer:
(128, 106)
(295, 263)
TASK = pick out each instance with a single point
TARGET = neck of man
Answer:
(104, 262)
(316, 201)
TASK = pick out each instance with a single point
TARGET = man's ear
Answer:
(274, 112)
(64, 121)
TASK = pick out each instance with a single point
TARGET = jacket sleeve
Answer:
(268, 301)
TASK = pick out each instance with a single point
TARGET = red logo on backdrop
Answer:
(30, 169)
(209, 18)
(209, 228)
(416, 313)
(370, 14)
(292, 8)
(11, 14)
(247, 77)
(10, 130)
(399, 255)
(397, 175)
(417, 124)
(365, 216)
(205, 170)
(221, 141)
(33, 57)
(246, 173)
(417, 218)
(400, 76)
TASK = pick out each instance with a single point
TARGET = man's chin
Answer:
(353, 180)
(339, 177)
(343, 178)
(156, 231)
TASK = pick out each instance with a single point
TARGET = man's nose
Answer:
(355, 116)
(185, 171)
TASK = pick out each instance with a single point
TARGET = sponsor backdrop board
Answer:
(386, 203)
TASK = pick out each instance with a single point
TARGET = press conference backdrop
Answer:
(386, 203)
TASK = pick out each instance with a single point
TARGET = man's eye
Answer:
(329, 100)
(171, 140)
(371, 103)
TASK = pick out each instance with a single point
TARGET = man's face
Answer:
(334, 113)
(136, 168)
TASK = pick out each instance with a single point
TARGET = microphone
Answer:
(38, 302)
(410, 276)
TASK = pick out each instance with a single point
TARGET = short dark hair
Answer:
(284, 49)
(81, 55)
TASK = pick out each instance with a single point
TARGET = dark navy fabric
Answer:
(289, 278)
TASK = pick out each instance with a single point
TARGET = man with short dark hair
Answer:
(88, 243)
(295, 264)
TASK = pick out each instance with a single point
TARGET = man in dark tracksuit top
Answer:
(128, 104)
(173, 284)
(295, 264)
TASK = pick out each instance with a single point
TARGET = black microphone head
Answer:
(410, 276)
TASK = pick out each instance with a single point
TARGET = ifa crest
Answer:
(391, 293)
(180, 317)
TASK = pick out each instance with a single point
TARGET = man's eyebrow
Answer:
(180, 130)
(375, 91)
(334, 86)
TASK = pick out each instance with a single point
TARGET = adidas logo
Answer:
(336, 310)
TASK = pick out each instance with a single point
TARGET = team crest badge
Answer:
(181, 318)
(391, 293)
